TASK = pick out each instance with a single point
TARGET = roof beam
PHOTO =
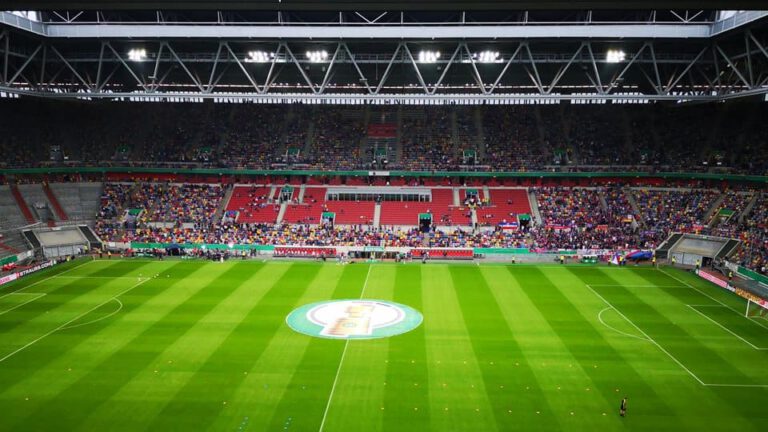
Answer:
(396, 32)
(371, 5)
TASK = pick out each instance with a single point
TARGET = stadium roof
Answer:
(447, 56)
(359, 5)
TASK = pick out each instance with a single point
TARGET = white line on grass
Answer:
(48, 278)
(646, 335)
(638, 286)
(341, 361)
(119, 308)
(709, 305)
(726, 329)
(600, 318)
(22, 304)
(97, 277)
(738, 385)
(707, 295)
(70, 322)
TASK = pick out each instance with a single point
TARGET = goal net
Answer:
(757, 310)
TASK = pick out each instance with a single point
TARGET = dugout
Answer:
(59, 241)
(688, 249)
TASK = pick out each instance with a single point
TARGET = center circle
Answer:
(354, 319)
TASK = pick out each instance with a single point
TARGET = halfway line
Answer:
(341, 361)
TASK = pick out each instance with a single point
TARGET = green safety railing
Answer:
(506, 174)
(209, 246)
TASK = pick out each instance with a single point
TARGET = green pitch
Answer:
(107, 346)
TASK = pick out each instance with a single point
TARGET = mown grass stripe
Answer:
(735, 399)
(678, 338)
(201, 400)
(498, 352)
(569, 387)
(406, 367)
(104, 379)
(260, 393)
(62, 302)
(34, 279)
(360, 391)
(305, 398)
(675, 340)
(180, 363)
(456, 388)
(718, 336)
(605, 366)
(71, 354)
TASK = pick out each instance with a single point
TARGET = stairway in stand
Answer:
(22, 204)
(55, 202)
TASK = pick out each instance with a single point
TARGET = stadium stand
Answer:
(504, 205)
(675, 210)
(514, 138)
(407, 212)
(80, 201)
(251, 204)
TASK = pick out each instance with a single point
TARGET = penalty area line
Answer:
(650, 339)
(707, 295)
(37, 296)
(738, 385)
(341, 361)
(29, 344)
(726, 329)
(48, 278)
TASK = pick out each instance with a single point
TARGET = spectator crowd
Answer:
(572, 218)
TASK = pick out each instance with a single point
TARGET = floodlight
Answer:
(615, 56)
(259, 57)
(317, 56)
(487, 56)
(137, 54)
(428, 56)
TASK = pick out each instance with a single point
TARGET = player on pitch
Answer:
(623, 407)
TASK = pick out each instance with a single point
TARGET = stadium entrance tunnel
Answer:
(354, 319)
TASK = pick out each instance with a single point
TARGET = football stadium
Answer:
(304, 215)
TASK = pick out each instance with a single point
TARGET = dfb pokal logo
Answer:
(354, 319)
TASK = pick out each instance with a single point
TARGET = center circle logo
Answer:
(354, 319)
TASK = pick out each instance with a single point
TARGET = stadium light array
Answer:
(428, 56)
(317, 56)
(615, 56)
(487, 56)
(137, 54)
(259, 57)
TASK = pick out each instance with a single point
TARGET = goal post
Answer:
(756, 309)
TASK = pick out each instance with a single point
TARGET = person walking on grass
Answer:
(623, 407)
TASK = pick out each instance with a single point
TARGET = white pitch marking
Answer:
(646, 335)
(7, 356)
(707, 295)
(638, 286)
(709, 305)
(49, 277)
(120, 307)
(600, 318)
(726, 329)
(97, 277)
(341, 361)
(22, 304)
(738, 385)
